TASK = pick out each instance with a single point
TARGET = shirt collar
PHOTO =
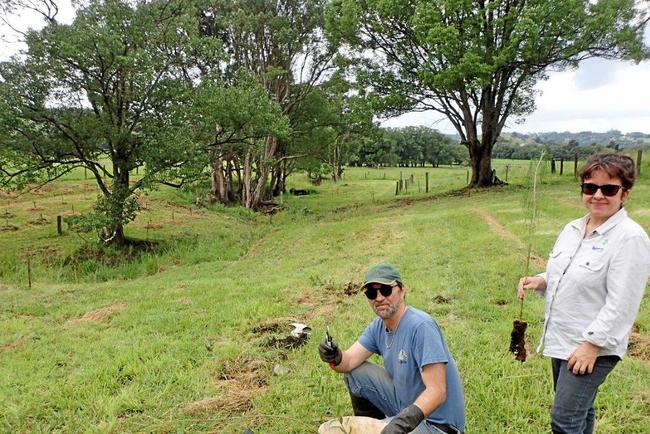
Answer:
(620, 215)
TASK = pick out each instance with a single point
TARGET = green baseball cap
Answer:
(383, 273)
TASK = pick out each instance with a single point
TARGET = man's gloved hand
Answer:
(405, 421)
(329, 352)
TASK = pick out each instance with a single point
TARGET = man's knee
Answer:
(359, 376)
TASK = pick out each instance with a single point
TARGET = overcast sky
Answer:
(600, 95)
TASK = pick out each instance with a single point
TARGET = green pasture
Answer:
(178, 340)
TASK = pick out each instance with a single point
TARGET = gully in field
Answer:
(594, 282)
(418, 389)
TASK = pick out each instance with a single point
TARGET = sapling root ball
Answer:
(518, 340)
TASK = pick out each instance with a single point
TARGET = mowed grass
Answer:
(176, 342)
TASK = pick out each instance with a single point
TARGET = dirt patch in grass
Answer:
(281, 326)
(3, 287)
(500, 230)
(6, 215)
(639, 346)
(287, 343)
(241, 380)
(39, 221)
(348, 289)
(441, 299)
(319, 306)
(276, 325)
(99, 315)
(15, 344)
(9, 228)
(501, 302)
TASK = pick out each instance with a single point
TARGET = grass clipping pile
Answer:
(241, 380)
(518, 333)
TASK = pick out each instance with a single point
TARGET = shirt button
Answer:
(590, 333)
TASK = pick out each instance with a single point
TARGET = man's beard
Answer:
(389, 312)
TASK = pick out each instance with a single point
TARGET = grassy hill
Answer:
(192, 338)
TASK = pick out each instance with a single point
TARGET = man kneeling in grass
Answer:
(418, 389)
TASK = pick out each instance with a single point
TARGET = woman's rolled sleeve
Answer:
(627, 277)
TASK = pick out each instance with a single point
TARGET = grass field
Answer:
(189, 339)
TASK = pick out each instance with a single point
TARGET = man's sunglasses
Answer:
(385, 290)
(606, 189)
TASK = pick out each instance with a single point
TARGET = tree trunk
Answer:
(246, 193)
(219, 189)
(279, 179)
(259, 193)
(481, 160)
(113, 233)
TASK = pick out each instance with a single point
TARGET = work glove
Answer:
(405, 421)
(330, 352)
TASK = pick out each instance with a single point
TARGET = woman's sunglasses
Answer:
(385, 290)
(606, 189)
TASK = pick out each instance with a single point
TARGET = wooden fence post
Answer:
(59, 225)
(507, 168)
(561, 165)
(396, 188)
(552, 165)
(426, 175)
(575, 165)
(639, 154)
(29, 271)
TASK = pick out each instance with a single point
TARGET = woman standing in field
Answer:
(594, 282)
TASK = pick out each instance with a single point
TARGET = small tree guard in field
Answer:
(518, 334)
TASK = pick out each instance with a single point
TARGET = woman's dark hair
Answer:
(615, 165)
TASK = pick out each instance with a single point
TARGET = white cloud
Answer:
(572, 102)
(600, 95)
(23, 20)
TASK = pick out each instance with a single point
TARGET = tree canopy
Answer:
(101, 93)
(477, 62)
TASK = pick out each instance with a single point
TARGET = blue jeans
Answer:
(373, 383)
(573, 408)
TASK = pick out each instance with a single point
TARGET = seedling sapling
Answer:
(518, 334)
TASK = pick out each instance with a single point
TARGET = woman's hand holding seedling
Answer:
(535, 283)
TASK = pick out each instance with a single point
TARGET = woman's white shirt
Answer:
(594, 286)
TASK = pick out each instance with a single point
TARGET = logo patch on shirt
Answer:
(600, 245)
(402, 356)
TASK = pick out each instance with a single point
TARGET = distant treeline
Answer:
(518, 146)
(409, 147)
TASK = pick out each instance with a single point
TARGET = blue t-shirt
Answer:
(417, 341)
